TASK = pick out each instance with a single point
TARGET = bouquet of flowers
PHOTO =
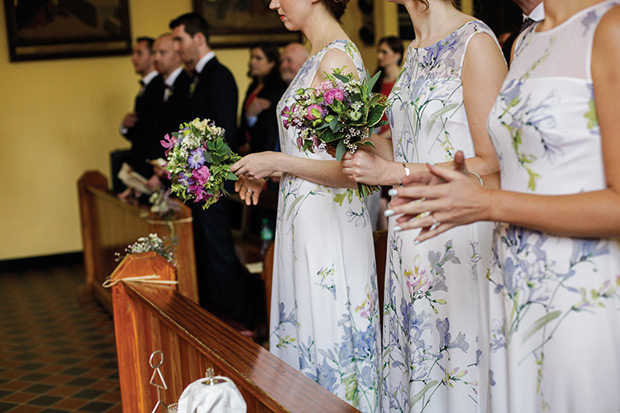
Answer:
(338, 113)
(146, 244)
(198, 162)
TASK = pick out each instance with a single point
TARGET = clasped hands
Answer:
(435, 199)
(252, 170)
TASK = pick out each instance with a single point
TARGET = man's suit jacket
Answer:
(173, 110)
(214, 95)
(145, 134)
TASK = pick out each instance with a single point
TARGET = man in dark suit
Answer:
(226, 288)
(140, 127)
(176, 92)
(176, 87)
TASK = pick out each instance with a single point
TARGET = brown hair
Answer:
(455, 3)
(336, 7)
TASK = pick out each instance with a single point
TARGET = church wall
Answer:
(59, 118)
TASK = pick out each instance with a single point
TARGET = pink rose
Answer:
(201, 175)
(314, 112)
(332, 94)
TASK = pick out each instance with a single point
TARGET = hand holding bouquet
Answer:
(198, 162)
(337, 114)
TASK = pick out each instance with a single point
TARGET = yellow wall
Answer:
(59, 118)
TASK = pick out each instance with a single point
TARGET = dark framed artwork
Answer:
(48, 29)
(242, 23)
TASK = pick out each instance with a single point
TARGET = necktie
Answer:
(167, 92)
(527, 22)
(142, 87)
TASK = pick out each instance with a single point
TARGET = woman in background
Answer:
(390, 53)
(555, 293)
(434, 317)
(259, 125)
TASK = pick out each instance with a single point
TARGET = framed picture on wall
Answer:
(49, 29)
(242, 23)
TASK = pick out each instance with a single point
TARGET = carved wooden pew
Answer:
(109, 225)
(157, 317)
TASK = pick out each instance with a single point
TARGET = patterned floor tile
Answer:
(58, 349)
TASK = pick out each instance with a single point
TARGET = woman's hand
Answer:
(450, 197)
(249, 189)
(256, 165)
(366, 168)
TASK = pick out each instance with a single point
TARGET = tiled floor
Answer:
(57, 351)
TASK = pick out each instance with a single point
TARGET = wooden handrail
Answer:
(155, 317)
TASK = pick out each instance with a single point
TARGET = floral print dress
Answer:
(434, 325)
(324, 314)
(555, 303)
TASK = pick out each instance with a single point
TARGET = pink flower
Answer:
(201, 175)
(332, 94)
(314, 112)
(168, 142)
(300, 142)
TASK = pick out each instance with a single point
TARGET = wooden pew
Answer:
(155, 317)
(109, 225)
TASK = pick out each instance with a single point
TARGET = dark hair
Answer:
(336, 7)
(273, 55)
(396, 45)
(194, 23)
(149, 42)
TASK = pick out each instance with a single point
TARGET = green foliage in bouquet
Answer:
(198, 162)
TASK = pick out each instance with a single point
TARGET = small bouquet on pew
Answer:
(338, 115)
(198, 162)
(163, 247)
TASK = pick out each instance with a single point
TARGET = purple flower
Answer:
(314, 112)
(201, 175)
(332, 94)
(300, 142)
(196, 159)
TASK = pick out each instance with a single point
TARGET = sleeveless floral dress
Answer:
(434, 320)
(324, 308)
(555, 301)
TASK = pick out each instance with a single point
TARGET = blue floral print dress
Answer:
(324, 307)
(555, 303)
(434, 325)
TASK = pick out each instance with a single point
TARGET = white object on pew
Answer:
(212, 395)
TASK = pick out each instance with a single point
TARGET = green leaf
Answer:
(374, 116)
(335, 124)
(373, 80)
(343, 78)
(540, 323)
(340, 150)
(231, 176)
(422, 392)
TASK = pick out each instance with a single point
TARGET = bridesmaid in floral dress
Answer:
(555, 279)
(324, 315)
(434, 319)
